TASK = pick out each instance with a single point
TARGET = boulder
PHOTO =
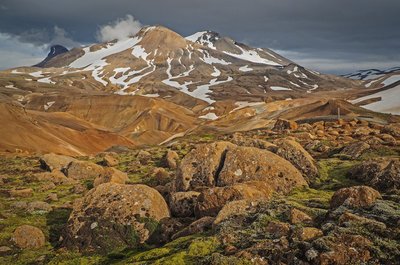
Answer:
(28, 237)
(112, 175)
(381, 174)
(278, 229)
(299, 217)
(114, 216)
(355, 150)
(308, 233)
(282, 125)
(52, 162)
(242, 164)
(231, 209)
(346, 249)
(211, 201)
(80, 170)
(4, 251)
(144, 157)
(199, 226)
(171, 159)
(355, 197)
(55, 176)
(298, 156)
(160, 175)
(388, 139)
(392, 129)
(201, 165)
(167, 228)
(182, 203)
(110, 160)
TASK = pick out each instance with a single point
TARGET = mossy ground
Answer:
(187, 250)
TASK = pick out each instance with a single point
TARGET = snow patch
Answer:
(279, 88)
(216, 72)
(208, 59)
(37, 74)
(96, 57)
(46, 80)
(245, 104)
(389, 101)
(245, 68)
(209, 116)
(12, 86)
(251, 56)
(392, 79)
(48, 105)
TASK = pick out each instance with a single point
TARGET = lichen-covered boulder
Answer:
(355, 150)
(282, 124)
(382, 174)
(298, 156)
(171, 159)
(28, 237)
(355, 197)
(112, 175)
(83, 170)
(114, 216)
(211, 201)
(201, 165)
(52, 162)
(182, 203)
(242, 164)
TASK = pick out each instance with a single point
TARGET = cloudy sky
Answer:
(333, 36)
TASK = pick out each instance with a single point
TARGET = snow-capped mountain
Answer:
(205, 66)
(54, 51)
(371, 73)
(238, 50)
(384, 92)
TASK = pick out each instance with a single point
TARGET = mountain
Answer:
(54, 51)
(238, 50)
(382, 93)
(156, 86)
(371, 73)
(203, 66)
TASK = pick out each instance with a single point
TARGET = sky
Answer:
(331, 36)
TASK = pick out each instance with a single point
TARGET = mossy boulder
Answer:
(114, 216)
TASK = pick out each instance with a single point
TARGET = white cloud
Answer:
(61, 37)
(120, 29)
(15, 53)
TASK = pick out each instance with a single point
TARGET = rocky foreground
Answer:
(321, 193)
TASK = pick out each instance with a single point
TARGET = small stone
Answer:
(4, 250)
(109, 161)
(171, 159)
(308, 233)
(311, 254)
(297, 217)
(28, 237)
(52, 197)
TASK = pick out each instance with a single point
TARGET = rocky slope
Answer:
(310, 193)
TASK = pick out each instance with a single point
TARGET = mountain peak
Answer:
(156, 37)
(54, 51)
(205, 38)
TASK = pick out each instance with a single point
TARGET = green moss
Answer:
(381, 151)
(72, 258)
(203, 247)
(333, 174)
(185, 250)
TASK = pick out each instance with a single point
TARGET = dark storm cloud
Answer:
(351, 33)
